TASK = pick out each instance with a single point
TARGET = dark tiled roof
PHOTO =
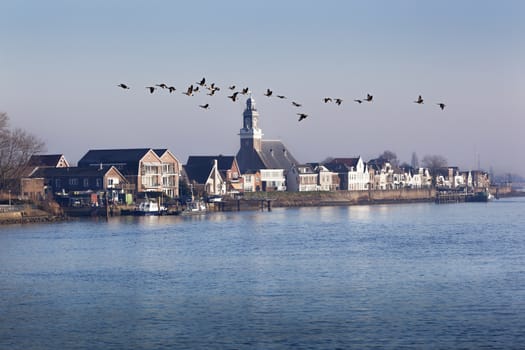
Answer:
(160, 151)
(351, 162)
(249, 160)
(377, 164)
(275, 155)
(70, 172)
(198, 168)
(44, 160)
(112, 156)
(337, 167)
(223, 162)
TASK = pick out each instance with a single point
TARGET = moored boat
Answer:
(195, 207)
(480, 196)
(149, 208)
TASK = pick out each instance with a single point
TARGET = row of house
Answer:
(260, 165)
(120, 174)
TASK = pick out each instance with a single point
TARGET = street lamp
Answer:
(9, 197)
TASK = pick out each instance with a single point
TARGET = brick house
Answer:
(144, 169)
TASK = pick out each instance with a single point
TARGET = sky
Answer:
(61, 62)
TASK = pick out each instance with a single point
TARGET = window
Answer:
(73, 181)
(168, 168)
(150, 169)
(112, 182)
(86, 182)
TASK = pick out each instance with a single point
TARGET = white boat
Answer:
(195, 207)
(150, 207)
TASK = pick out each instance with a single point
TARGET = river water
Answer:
(386, 276)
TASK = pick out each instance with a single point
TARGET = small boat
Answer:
(150, 208)
(195, 207)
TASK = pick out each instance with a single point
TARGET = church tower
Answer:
(250, 133)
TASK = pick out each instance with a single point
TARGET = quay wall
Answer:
(27, 215)
(302, 199)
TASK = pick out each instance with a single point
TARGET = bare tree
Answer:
(434, 161)
(16, 147)
(390, 157)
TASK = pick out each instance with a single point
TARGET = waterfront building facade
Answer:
(353, 173)
(144, 169)
(302, 178)
(214, 175)
(77, 182)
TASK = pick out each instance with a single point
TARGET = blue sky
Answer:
(60, 62)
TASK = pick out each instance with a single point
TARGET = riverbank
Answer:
(258, 201)
(28, 216)
(267, 200)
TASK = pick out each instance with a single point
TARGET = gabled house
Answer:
(201, 172)
(353, 173)
(88, 180)
(446, 177)
(480, 179)
(251, 181)
(34, 187)
(48, 161)
(270, 157)
(170, 174)
(302, 178)
(203, 175)
(326, 180)
(44, 161)
(417, 178)
(400, 178)
(422, 178)
(229, 169)
(144, 169)
(381, 174)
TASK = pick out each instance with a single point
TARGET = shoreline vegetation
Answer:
(263, 201)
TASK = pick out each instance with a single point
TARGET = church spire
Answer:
(250, 133)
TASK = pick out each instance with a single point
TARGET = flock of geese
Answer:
(212, 89)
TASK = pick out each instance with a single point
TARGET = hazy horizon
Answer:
(61, 62)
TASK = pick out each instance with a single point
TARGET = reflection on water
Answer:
(398, 276)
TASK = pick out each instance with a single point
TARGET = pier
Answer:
(244, 204)
(443, 197)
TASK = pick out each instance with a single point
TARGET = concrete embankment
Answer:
(263, 200)
(27, 216)
(259, 200)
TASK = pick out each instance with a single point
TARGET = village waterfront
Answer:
(415, 275)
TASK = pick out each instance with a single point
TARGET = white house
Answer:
(353, 173)
(273, 180)
(326, 180)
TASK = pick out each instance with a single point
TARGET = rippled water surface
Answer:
(399, 276)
